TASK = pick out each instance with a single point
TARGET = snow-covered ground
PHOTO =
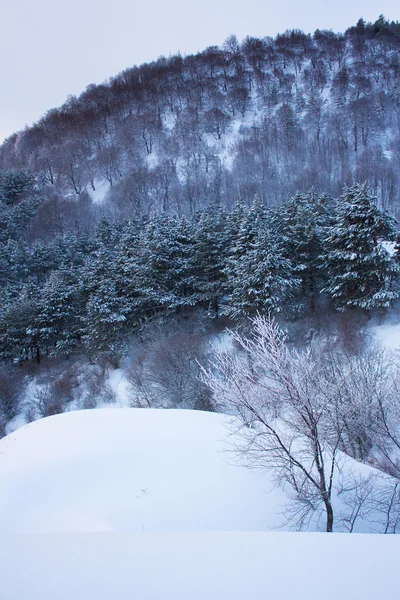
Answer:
(387, 332)
(129, 470)
(102, 188)
(199, 566)
(125, 470)
(142, 503)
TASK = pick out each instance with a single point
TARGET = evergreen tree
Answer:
(264, 279)
(360, 271)
(129, 270)
(210, 251)
(107, 307)
(61, 308)
(19, 334)
(160, 264)
(300, 224)
(15, 184)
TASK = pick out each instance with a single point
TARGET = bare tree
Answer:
(294, 414)
(281, 402)
(166, 371)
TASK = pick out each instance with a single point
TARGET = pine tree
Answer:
(107, 308)
(19, 334)
(360, 271)
(264, 278)
(244, 225)
(61, 309)
(300, 224)
(208, 259)
(160, 264)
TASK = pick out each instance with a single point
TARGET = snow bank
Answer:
(129, 470)
(147, 504)
(126, 470)
(202, 566)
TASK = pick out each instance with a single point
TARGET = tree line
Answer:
(80, 293)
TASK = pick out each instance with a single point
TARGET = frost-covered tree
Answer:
(292, 417)
(360, 271)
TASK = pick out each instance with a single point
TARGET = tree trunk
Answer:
(329, 515)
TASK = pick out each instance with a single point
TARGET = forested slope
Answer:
(266, 117)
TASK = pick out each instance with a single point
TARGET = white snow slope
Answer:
(129, 470)
(137, 503)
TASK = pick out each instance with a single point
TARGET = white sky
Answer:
(49, 49)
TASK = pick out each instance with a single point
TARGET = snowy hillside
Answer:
(125, 503)
(129, 470)
(125, 470)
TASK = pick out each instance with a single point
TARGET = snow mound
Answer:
(128, 470)
(134, 471)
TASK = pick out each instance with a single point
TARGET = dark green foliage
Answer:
(77, 293)
(300, 224)
(360, 271)
(263, 279)
(208, 259)
(15, 185)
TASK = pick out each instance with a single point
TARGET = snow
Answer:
(120, 387)
(129, 470)
(142, 503)
(125, 470)
(102, 188)
(202, 566)
(387, 333)
(389, 247)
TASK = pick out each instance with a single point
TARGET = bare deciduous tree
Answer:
(293, 411)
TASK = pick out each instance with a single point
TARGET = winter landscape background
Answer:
(199, 266)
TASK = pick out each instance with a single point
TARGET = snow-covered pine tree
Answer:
(264, 278)
(61, 309)
(107, 307)
(360, 271)
(19, 335)
(300, 225)
(160, 265)
(243, 226)
(208, 259)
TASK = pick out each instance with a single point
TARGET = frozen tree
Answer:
(280, 402)
(290, 416)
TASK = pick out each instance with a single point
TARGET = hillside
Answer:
(266, 117)
(125, 470)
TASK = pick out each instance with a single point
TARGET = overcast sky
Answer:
(50, 49)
